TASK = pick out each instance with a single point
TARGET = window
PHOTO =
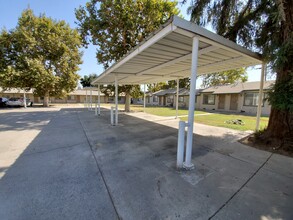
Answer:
(70, 97)
(208, 99)
(251, 99)
(155, 98)
(170, 99)
(181, 99)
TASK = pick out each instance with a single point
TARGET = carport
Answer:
(179, 49)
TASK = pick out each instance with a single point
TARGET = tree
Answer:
(86, 81)
(183, 83)
(118, 26)
(224, 78)
(267, 27)
(42, 54)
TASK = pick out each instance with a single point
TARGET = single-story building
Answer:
(237, 97)
(77, 96)
(168, 97)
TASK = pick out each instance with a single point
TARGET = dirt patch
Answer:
(284, 148)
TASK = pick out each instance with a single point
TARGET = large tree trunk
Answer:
(46, 100)
(127, 102)
(280, 125)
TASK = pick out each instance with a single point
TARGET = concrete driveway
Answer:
(69, 164)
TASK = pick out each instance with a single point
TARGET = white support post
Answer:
(187, 164)
(177, 97)
(99, 100)
(86, 99)
(143, 97)
(112, 115)
(116, 100)
(91, 99)
(24, 100)
(96, 108)
(260, 96)
(180, 145)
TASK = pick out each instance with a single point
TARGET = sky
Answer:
(10, 10)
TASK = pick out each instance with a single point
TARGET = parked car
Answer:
(18, 102)
(3, 102)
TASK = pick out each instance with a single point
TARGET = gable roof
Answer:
(237, 87)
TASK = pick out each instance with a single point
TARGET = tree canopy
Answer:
(116, 26)
(86, 81)
(42, 54)
(119, 25)
(265, 26)
(224, 78)
(183, 83)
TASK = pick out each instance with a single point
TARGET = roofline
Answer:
(202, 32)
(186, 28)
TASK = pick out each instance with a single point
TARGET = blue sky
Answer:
(10, 10)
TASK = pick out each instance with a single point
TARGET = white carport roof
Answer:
(166, 55)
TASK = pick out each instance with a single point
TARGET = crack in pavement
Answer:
(98, 166)
(246, 182)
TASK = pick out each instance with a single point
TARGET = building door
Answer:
(234, 102)
(78, 98)
(161, 100)
(221, 104)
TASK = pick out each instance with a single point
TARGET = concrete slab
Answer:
(54, 175)
(72, 164)
(138, 159)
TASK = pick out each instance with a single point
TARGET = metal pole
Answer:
(86, 99)
(260, 95)
(91, 99)
(24, 100)
(116, 100)
(180, 145)
(99, 100)
(177, 97)
(112, 115)
(187, 163)
(96, 107)
(143, 97)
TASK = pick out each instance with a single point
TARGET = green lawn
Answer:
(214, 119)
(160, 111)
(219, 121)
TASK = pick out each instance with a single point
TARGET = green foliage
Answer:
(154, 87)
(183, 83)
(86, 81)
(224, 78)
(133, 90)
(281, 95)
(40, 53)
(265, 26)
(119, 25)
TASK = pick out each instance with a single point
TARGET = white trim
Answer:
(258, 114)
(165, 31)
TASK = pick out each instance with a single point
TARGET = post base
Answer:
(188, 166)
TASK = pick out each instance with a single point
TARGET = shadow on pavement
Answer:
(56, 177)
